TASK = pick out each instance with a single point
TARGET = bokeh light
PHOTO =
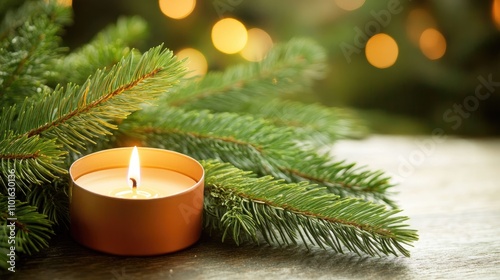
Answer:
(229, 35)
(258, 44)
(496, 13)
(432, 43)
(177, 9)
(196, 62)
(418, 20)
(349, 5)
(381, 50)
(64, 3)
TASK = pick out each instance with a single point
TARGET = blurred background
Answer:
(408, 67)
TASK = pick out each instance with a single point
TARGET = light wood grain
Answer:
(452, 197)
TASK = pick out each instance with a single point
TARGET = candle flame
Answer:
(134, 169)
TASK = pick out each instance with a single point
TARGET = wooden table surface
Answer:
(450, 189)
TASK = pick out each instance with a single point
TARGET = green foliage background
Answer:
(410, 97)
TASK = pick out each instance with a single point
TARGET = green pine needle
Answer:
(287, 68)
(29, 45)
(33, 230)
(106, 49)
(76, 115)
(52, 200)
(241, 206)
(34, 160)
(256, 145)
(313, 123)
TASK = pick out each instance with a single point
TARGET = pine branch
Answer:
(250, 89)
(127, 31)
(287, 68)
(33, 160)
(75, 115)
(313, 123)
(28, 47)
(105, 50)
(18, 13)
(52, 200)
(32, 229)
(255, 145)
(241, 205)
(341, 178)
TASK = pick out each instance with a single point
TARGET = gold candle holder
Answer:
(162, 214)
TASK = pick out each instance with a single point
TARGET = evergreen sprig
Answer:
(254, 88)
(285, 213)
(32, 229)
(313, 123)
(287, 68)
(52, 200)
(107, 48)
(34, 160)
(256, 145)
(29, 46)
(75, 115)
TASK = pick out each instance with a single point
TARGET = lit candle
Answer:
(143, 183)
(151, 206)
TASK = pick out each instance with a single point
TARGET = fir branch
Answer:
(75, 115)
(248, 143)
(31, 160)
(258, 146)
(28, 47)
(127, 31)
(241, 205)
(317, 123)
(20, 12)
(341, 178)
(105, 50)
(32, 229)
(313, 123)
(287, 68)
(52, 200)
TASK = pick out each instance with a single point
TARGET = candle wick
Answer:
(134, 183)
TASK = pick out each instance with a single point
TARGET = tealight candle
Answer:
(149, 205)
